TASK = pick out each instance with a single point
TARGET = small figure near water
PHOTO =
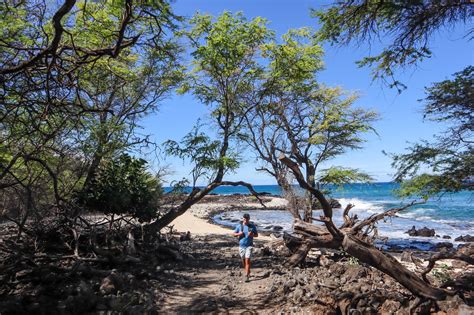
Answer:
(246, 231)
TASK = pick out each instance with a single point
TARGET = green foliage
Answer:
(451, 101)
(79, 102)
(294, 61)
(203, 152)
(339, 176)
(225, 73)
(449, 159)
(123, 186)
(444, 165)
(225, 63)
(442, 273)
(336, 124)
(354, 261)
(408, 28)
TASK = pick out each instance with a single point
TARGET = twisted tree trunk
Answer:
(352, 240)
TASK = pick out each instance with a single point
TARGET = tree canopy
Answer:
(75, 79)
(406, 28)
(450, 158)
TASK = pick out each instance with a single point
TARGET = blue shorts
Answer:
(245, 252)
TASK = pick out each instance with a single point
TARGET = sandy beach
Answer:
(197, 226)
(196, 219)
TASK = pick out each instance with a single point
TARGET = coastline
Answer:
(203, 274)
(201, 218)
(198, 219)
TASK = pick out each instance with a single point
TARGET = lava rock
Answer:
(111, 284)
(290, 283)
(337, 269)
(298, 294)
(467, 238)
(325, 261)
(424, 232)
(355, 273)
(444, 245)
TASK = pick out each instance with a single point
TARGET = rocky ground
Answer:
(330, 283)
(208, 278)
(203, 275)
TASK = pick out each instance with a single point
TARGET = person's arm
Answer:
(237, 231)
(254, 232)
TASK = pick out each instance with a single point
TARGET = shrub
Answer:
(123, 186)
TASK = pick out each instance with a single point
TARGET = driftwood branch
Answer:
(464, 253)
(348, 221)
(248, 186)
(327, 209)
(377, 217)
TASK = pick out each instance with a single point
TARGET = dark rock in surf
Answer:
(444, 245)
(423, 232)
(467, 238)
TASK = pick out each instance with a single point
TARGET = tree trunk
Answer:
(389, 265)
(310, 178)
(299, 256)
(99, 152)
(319, 237)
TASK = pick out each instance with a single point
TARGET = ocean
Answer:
(450, 215)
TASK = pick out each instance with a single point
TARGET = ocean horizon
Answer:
(450, 215)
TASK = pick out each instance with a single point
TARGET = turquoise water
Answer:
(451, 214)
(456, 208)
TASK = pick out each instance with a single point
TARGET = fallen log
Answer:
(351, 238)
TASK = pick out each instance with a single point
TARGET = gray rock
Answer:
(325, 261)
(466, 238)
(298, 294)
(290, 283)
(406, 256)
(390, 307)
(444, 245)
(424, 232)
(355, 273)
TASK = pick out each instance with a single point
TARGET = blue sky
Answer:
(401, 119)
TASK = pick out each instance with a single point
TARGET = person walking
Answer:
(246, 231)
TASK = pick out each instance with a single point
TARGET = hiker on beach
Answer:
(246, 231)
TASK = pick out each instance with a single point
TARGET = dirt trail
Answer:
(213, 280)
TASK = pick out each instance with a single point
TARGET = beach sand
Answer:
(196, 219)
(197, 226)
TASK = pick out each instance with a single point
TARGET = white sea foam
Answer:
(417, 213)
(394, 228)
(360, 205)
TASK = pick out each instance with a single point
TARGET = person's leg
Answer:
(247, 266)
(248, 254)
(242, 255)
